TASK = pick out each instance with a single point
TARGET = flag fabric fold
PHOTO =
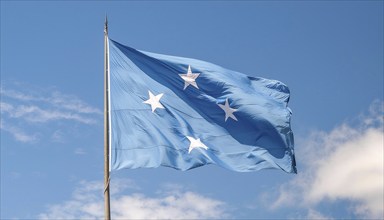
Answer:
(184, 113)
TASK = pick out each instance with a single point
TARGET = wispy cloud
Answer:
(53, 98)
(18, 133)
(58, 136)
(80, 151)
(87, 203)
(33, 113)
(25, 106)
(344, 164)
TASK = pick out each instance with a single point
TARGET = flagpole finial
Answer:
(106, 25)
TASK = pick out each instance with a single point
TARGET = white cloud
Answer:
(87, 203)
(313, 214)
(71, 102)
(18, 133)
(18, 95)
(184, 205)
(26, 108)
(345, 164)
(53, 98)
(58, 136)
(5, 107)
(43, 105)
(80, 151)
(33, 113)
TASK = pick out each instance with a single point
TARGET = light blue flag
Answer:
(184, 113)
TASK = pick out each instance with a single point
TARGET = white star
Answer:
(228, 110)
(189, 78)
(195, 143)
(154, 101)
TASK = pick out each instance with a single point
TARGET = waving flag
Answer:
(184, 113)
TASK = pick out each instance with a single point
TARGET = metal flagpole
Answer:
(107, 211)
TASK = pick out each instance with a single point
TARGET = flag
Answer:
(184, 113)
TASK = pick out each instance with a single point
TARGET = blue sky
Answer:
(330, 54)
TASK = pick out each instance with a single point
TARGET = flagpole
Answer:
(107, 210)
